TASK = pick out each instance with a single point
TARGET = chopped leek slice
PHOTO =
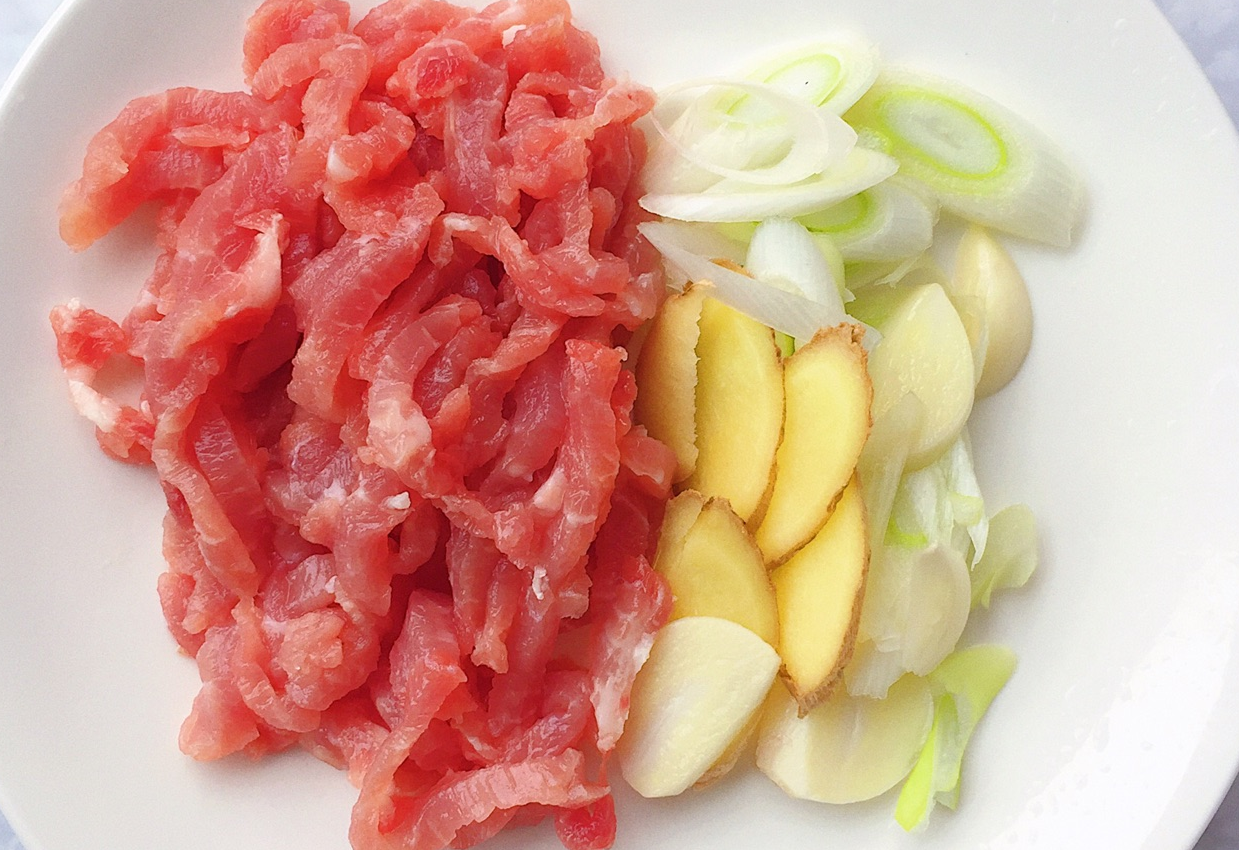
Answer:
(922, 268)
(882, 461)
(738, 231)
(978, 158)
(786, 343)
(794, 143)
(874, 305)
(832, 74)
(783, 254)
(733, 200)
(965, 685)
(915, 608)
(742, 231)
(942, 504)
(872, 671)
(834, 260)
(890, 221)
(704, 242)
(1010, 555)
(693, 151)
(688, 247)
(919, 790)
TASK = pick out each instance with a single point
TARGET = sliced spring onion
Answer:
(889, 221)
(702, 241)
(783, 254)
(882, 461)
(794, 142)
(834, 259)
(691, 152)
(738, 201)
(878, 289)
(872, 671)
(967, 504)
(1010, 555)
(917, 797)
(941, 504)
(922, 268)
(915, 607)
(832, 73)
(875, 305)
(742, 231)
(964, 685)
(978, 158)
(865, 274)
(688, 248)
(786, 344)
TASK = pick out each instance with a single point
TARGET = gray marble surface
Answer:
(1209, 27)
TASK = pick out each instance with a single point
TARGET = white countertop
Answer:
(1209, 27)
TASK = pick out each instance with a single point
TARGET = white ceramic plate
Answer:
(1118, 730)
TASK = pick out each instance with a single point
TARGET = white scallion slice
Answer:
(915, 608)
(875, 305)
(738, 231)
(834, 259)
(704, 242)
(782, 253)
(942, 504)
(964, 686)
(980, 160)
(865, 274)
(872, 671)
(795, 142)
(736, 201)
(887, 222)
(832, 73)
(1010, 555)
(688, 248)
(699, 143)
(967, 503)
(882, 461)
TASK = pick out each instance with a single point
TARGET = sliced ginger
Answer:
(827, 396)
(768, 449)
(678, 519)
(739, 407)
(666, 374)
(819, 591)
(716, 570)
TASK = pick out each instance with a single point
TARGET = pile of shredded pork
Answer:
(409, 518)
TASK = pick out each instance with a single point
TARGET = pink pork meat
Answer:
(410, 520)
